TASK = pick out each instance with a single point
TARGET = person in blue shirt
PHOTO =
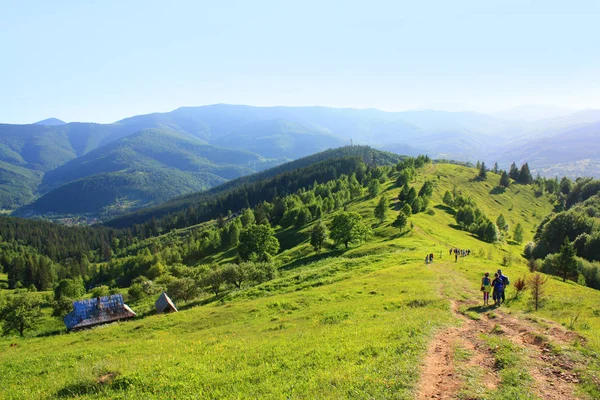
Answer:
(498, 285)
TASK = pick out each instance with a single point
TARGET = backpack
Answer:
(506, 280)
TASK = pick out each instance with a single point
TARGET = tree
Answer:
(482, 171)
(100, 291)
(566, 263)
(525, 175)
(504, 179)
(184, 289)
(347, 227)
(382, 209)
(411, 196)
(234, 230)
(403, 195)
(258, 243)
(495, 169)
(374, 188)
(501, 223)
(406, 210)
(536, 283)
(69, 288)
(21, 313)
(303, 217)
(448, 199)
(491, 234)
(518, 233)
(214, 279)
(401, 221)
(247, 217)
(565, 186)
(237, 274)
(513, 172)
(427, 189)
(318, 235)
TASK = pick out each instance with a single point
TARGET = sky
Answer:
(105, 60)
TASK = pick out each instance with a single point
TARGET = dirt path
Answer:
(553, 375)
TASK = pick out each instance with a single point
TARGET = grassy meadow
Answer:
(350, 323)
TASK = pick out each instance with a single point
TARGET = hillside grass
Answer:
(340, 324)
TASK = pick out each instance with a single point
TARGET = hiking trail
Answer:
(553, 375)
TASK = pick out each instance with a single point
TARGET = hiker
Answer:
(450, 251)
(505, 282)
(426, 260)
(498, 285)
(431, 258)
(486, 288)
(456, 257)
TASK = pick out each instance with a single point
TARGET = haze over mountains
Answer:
(147, 159)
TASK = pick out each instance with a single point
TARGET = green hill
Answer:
(146, 168)
(371, 321)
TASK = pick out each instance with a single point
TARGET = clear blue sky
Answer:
(105, 60)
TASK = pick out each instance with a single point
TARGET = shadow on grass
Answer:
(443, 207)
(205, 301)
(310, 259)
(398, 235)
(290, 238)
(498, 190)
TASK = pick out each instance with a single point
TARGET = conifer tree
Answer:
(504, 179)
(518, 234)
(496, 169)
(482, 171)
(525, 175)
(566, 263)
(382, 209)
(513, 173)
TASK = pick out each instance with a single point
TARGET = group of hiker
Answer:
(496, 286)
(459, 253)
(429, 258)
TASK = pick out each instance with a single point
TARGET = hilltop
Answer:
(358, 322)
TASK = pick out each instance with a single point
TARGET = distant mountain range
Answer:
(147, 159)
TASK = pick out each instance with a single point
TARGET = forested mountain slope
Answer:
(142, 169)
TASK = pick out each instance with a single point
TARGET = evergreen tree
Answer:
(504, 179)
(482, 171)
(496, 169)
(448, 199)
(319, 235)
(566, 263)
(518, 233)
(406, 210)
(513, 173)
(501, 223)
(374, 188)
(565, 186)
(401, 221)
(403, 195)
(382, 209)
(525, 175)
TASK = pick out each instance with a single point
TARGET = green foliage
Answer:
(247, 218)
(518, 233)
(382, 209)
(347, 227)
(258, 243)
(100, 291)
(401, 221)
(482, 174)
(69, 288)
(20, 313)
(504, 180)
(514, 172)
(183, 289)
(501, 223)
(319, 235)
(374, 188)
(448, 199)
(566, 263)
(525, 175)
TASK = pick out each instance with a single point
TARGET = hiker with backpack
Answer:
(505, 283)
(498, 285)
(486, 288)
